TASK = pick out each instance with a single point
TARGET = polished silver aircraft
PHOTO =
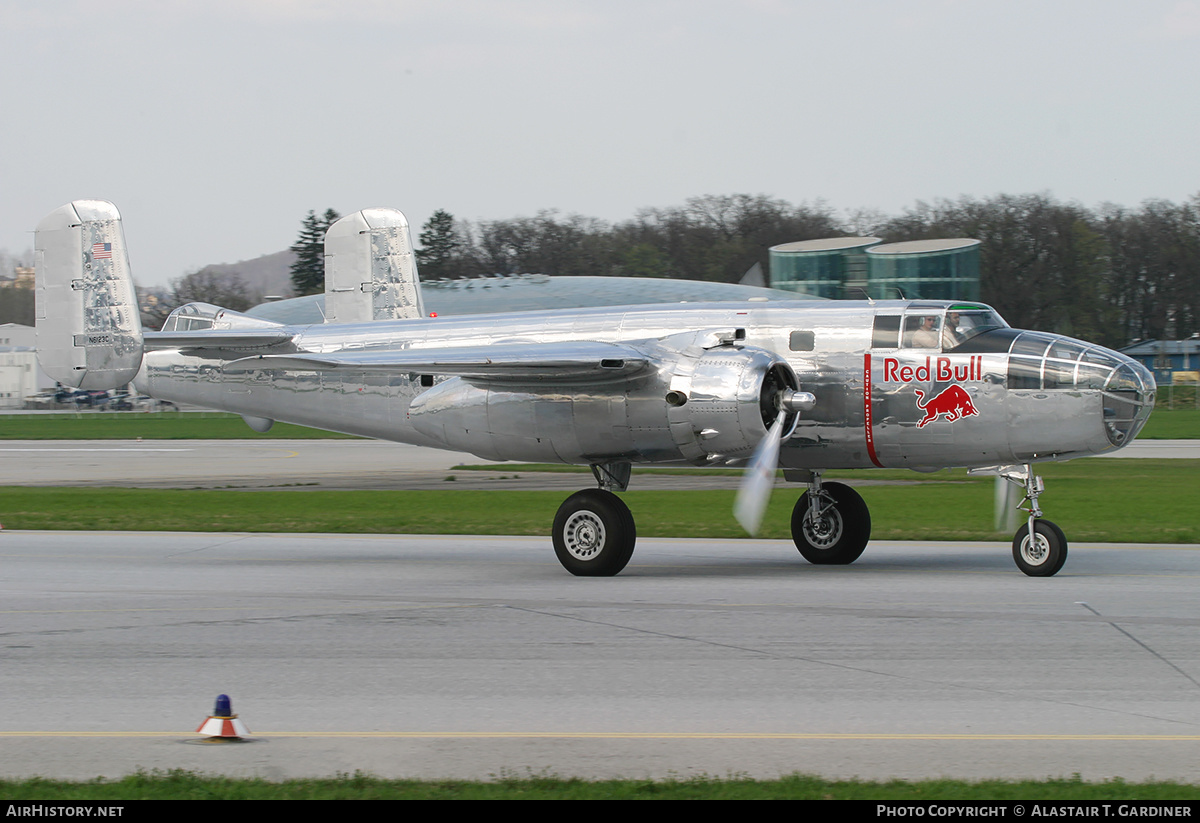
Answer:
(808, 386)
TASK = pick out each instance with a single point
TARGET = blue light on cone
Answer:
(224, 707)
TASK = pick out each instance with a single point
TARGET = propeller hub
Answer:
(790, 400)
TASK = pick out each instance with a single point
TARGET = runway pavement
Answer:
(434, 656)
(438, 656)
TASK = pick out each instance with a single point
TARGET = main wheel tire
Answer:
(840, 534)
(594, 533)
(1045, 554)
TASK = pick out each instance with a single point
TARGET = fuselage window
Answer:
(801, 341)
(887, 332)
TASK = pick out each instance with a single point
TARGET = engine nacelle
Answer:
(700, 406)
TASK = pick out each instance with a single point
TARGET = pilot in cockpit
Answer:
(926, 337)
(951, 336)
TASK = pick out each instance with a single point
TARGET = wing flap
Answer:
(523, 362)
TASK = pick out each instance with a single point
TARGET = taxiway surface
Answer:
(439, 656)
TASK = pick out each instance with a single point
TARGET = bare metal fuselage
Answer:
(876, 405)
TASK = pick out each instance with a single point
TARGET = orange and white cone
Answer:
(223, 722)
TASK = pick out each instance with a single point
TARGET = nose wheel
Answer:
(1043, 554)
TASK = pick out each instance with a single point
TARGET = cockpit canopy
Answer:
(937, 327)
(200, 316)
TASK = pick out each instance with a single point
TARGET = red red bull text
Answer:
(940, 370)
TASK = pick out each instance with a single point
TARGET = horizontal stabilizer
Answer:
(541, 362)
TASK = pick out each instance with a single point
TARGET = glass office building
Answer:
(930, 269)
(833, 267)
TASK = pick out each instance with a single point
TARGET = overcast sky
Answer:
(215, 126)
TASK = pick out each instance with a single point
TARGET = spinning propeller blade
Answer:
(755, 489)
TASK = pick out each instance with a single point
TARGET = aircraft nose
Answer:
(1128, 399)
(1047, 361)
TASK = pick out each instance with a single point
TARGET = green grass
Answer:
(1106, 500)
(182, 785)
(147, 426)
(1172, 424)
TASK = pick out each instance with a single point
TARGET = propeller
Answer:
(755, 489)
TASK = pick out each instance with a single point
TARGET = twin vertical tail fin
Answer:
(89, 333)
(370, 270)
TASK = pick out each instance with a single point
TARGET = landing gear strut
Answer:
(1039, 547)
(594, 532)
(830, 523)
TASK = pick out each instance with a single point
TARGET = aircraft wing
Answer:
(580, 361)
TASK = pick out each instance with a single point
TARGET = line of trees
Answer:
(1111, 275)
(708, 238)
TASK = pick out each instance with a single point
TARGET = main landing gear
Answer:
(830, 523)
(594, 531)
(1039, 547)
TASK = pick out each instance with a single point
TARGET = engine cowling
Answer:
(702, 406)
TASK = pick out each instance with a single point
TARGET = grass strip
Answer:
(1153, 502)
(147, 426)
(1172, 424)
(183, 785)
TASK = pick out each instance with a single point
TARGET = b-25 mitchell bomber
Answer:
(807, 386)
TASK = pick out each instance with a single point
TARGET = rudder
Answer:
(370, 271)
(89, 333)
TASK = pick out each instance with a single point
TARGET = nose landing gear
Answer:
(1039, 547)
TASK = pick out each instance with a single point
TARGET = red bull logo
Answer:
(940, 369)
(950, 404)
(952, 401)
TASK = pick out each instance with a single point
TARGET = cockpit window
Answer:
(922, 331)
(961, 326)
(935, 327)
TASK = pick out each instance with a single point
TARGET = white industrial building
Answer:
(20, 374)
